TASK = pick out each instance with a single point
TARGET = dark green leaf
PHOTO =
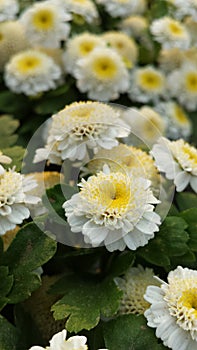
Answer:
(186, 200)
(190, 216)
(121, 263)
(8, 125)
(6, 282)
(169, 242)
(30, 249)
(158, 9)
(85, 301)
(9, 335)
(130, 332)
(13, 103)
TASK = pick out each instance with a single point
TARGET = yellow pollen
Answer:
(86, 47)
(175, 28)
(150, 81)
(43, 20)
(191, 82)
(180, 115)
(28, 64)
(191, 153)
(189, 300)
(104, 68)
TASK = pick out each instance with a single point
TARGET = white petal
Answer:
(58, 340)
(193, 183)
(181, 181)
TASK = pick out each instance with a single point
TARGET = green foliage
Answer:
(159, 8)
(13, 103)
(130, 332)
(8, 126)
(190, 216)
(85, 301)
(170, 241)
(5, 285)
(9, 335)
(186, 200)
(16, 153)
(30, 249)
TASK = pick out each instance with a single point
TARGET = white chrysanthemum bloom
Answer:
(182, 84)
(31, 72)
(115, 210)
(124, 45)
(14, 199)
(178, 160)
(12, 40)
(4, 160)
(146, 124)
(191, 26)
(129, 159)
(79, 127)
(59, 342)
(85, 9)
(102, 74)
(170, 33)
(123, 8)
(134, 25)
(178, 123)
(8, 10)
(147, 83)
(173, 310)
(186, 8)
(45, 24)
(134, 284)
(171, 59)
(78, 47)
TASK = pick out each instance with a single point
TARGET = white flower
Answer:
(45, 24)
(31, 72)
(134, 25)
(78, 47)
(12, 40)
(145, 123)
(182, 84)
(79, 127)
(102, 74)
(59, 342)
(171, 59)
(115, 210)
(173, 310)
(170, 33)
(124, 45)
(178, 160)
(4, 160)
(147, 83)
(123, 8)
(133, 284)
(14, 199)
(186, 8)
(178, 123)
(83, 8)
(8, 9)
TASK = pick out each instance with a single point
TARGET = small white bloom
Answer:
(170, 33)
(4, 160)
(186, 8)
(45, 24)
(123, 8)
(178, 160)
(134, 26)
(59, 342)
(114, 210)
(133, 284)
(79, 127)
(102, 74)
(31, 72)
(147, 84)
(78, 47)
(83, 8)
(14, 199)
(171, 59)
(8, 9)
(178, 123)
(173, 310)
(182, 84)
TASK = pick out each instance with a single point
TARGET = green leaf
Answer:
(5, 285)
(13, 103)
(30, 249)
(169, 242)
(158, 9)
(8, 126)
(16, 153)
(121, 263)
(186, 200)
(130, 332)
(9, 335)
(190, 216)
(85, 301)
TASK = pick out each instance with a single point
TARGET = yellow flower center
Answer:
(191, 82)
(117, 196)
(28, 64)
(189, 300)
(175, 28)
(104, 68)
(150, 81)
(180, 115)
(84, 112)
(86, 47)
(191, 152)
(43, 20)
